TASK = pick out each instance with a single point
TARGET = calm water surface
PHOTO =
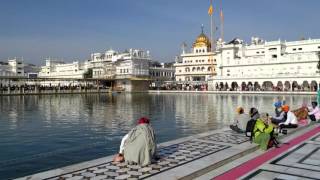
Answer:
(39, 133)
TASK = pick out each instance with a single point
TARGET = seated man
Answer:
(280, 114)
(290, 119)
(254, 113)
(314, 112)
(277, 109)
(139, 145)
(240, 122)
(263, 131)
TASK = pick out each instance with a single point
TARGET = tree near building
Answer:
(88, 74)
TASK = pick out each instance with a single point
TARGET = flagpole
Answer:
(222, 22)
(212, 27)
(211, 33)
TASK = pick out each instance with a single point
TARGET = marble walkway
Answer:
(297, 158)
(300, 162)
(178, 158)
(185, 158)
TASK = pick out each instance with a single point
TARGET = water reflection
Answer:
(43, 132)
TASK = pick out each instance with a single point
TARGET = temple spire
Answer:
(202, 28)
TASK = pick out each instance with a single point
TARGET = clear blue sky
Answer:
(73, 29)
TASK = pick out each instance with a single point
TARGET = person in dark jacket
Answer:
(254, 113)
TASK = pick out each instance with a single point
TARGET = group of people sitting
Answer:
(139, 145)
(262, 128)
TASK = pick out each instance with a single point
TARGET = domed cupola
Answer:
(202, 41)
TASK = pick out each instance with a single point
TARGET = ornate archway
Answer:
(305, 86)
(295, 86)
(267, 85)
(221, 86)
(226, 86)
(250, 86)
(256, 86)
(279, 86)
(314, 86)
(243, 86)
(287, 86)
(234, 86)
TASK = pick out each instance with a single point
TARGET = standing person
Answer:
(263, 131)
(314, 113)
(139, 145)
(290, 119)
(240, 122)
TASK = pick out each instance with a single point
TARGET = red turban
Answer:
(143, 120)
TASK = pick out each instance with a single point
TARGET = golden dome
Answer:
(202, 41)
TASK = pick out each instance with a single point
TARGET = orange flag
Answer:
(210, 11)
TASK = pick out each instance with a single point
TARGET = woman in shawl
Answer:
(263, 131)
(139, 145)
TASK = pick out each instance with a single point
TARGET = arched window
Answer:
(202, 69)
(198, 68)
(209, 69)
(194, 68)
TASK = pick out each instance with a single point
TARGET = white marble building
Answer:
(5, 70)
(59, 69)
(274, 65)
(199, 64)
(114, 65)
(11, 68)
(132, 64)
(161, 74)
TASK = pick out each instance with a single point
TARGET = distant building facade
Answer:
(199, 64)
(274, 65)
(59, 69)
(162, 71)
(31, 70)
(114, 65)
(161, 74)
(12, 68)
(132, 64)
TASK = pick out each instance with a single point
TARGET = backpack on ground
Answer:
(249, 128)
